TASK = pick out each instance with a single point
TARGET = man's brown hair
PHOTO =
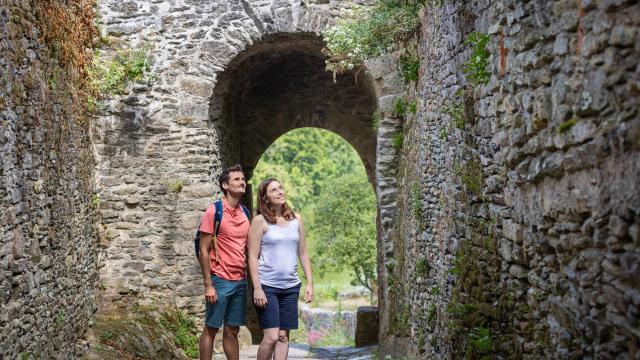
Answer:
(224, 176)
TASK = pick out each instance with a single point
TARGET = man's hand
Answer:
(259, 298)
(308, 294)
(210, 294)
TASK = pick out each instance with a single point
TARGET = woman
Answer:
(276, 241)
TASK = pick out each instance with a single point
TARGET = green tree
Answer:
(344, 225)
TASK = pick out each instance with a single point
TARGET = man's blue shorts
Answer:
(281, 310)
(232, 297)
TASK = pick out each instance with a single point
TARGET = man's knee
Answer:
(231, 331)
(209, 332)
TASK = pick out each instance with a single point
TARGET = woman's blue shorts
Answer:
(281, 310)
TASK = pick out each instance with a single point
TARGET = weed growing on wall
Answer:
(397, 140)
(409, 65)
(416, 201)
(375, 121)
(431, 314)
(370, 32)
(480, 343)
(67, 29)
(455, 110)
(476, 67)
(111, 72)
(422, 267)
(402, 107)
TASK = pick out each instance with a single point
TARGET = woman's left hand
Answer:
(308, 294)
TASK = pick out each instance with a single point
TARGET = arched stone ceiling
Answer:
(281, 84)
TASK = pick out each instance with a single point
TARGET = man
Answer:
(222, 261)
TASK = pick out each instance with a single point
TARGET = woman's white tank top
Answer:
(278, 261)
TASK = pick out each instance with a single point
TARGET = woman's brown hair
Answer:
(265, 209)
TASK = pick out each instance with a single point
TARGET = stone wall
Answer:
(48, 272)
(523, 222)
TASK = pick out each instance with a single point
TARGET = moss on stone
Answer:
(567, 125)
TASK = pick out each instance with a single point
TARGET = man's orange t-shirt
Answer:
(232, 241)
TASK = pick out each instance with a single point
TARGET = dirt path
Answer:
(303, 351)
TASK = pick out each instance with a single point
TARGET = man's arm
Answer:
(205, 266)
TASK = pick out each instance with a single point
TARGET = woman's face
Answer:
(275, 193)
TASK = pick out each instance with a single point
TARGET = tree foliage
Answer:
(345, 229)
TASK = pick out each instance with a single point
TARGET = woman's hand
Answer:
(259, 298)
(308, 293)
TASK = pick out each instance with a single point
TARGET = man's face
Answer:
(236, 186)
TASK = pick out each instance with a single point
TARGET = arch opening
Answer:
(280, 84)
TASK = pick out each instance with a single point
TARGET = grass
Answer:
(327, 288)
(335, 336)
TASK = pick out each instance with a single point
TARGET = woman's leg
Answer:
(288, 306)
(269, 340)
(282, 346)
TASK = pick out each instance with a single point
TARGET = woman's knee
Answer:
(283, 336)
(270, 337)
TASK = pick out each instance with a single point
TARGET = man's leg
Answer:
(206, 342)
(234, 317)
(269, 340)
(213, 315)
(230, 342)
(282, 345)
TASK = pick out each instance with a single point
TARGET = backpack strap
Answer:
(217, 219)
(246, 212)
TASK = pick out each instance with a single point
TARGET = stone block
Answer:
(367, 324)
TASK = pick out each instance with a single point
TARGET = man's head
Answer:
(232, 181)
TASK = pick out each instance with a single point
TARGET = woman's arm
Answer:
(255, 238)
(305, 261)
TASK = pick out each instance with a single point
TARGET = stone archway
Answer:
(280, 84)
